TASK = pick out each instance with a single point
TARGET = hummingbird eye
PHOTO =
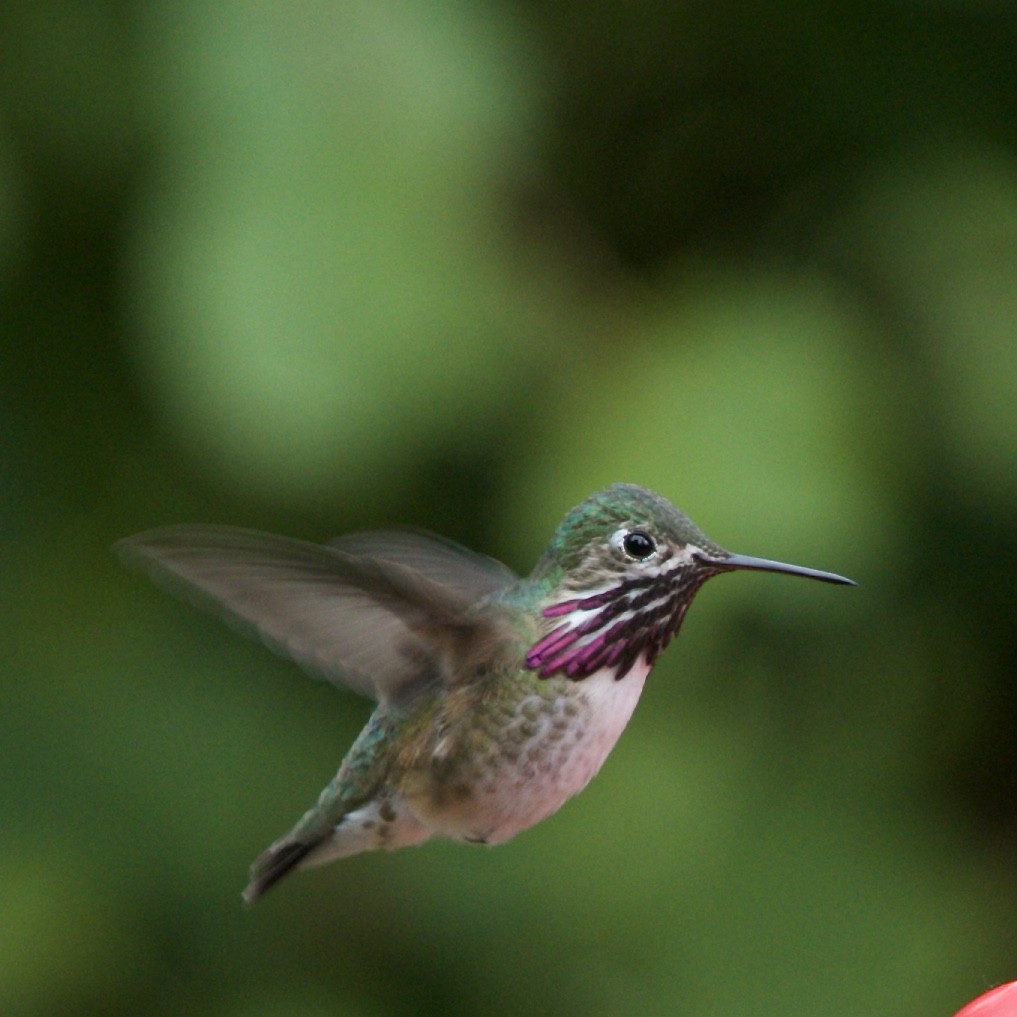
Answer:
(638, 544)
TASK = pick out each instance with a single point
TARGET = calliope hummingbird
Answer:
(498, 698)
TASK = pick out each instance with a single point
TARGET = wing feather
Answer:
(371, 612)
(464, 573)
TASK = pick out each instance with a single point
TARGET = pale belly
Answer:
(547, 752)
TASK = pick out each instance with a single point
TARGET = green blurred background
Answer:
(316, 267)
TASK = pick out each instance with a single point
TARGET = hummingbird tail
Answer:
(383, 822)
(281, 858)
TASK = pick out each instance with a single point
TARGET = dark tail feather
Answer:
(275, 863)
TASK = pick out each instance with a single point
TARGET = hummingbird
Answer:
(498, 697)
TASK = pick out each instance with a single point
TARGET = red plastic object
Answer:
(998, 1002)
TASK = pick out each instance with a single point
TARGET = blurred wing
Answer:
(463, 573)
(375, 626)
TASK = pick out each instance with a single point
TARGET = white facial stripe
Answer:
(617, 537)
(580, 615)
(677, 561)
(584, 641)
(654, 604)
(686, 554)
(652, 568)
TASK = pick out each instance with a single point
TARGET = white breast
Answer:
(564, 753)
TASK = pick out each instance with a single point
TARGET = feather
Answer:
(465, 573)
(372, 612)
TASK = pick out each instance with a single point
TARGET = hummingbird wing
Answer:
(374, 612)
(457, 569)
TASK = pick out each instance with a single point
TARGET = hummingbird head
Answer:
(623, 567)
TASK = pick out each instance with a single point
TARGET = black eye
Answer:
(639, 545)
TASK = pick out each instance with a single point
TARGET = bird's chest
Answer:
(522, 760)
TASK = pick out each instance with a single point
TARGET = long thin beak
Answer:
(744, 561)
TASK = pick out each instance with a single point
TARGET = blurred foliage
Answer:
(315, 268)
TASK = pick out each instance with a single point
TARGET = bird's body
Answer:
(477, 766)
(498, 698)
